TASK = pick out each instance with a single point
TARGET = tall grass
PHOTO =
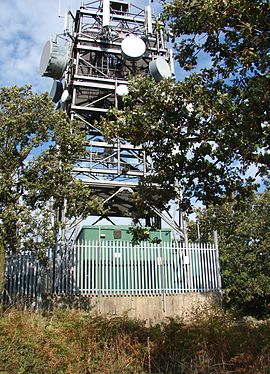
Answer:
(74, 342)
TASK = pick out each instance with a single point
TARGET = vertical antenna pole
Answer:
(148, 19)
(106, 13)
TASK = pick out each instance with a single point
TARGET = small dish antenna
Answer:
(65, 96)
(53, 60)
(133, 48)
(122, 90)
(56, 91)
(160, 69)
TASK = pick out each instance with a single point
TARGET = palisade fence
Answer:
(114, 268)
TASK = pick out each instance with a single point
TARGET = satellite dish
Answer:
(56, 91)
(160, 69)
(133, 48)
(65, 96)
(53, 60)
(122, 90)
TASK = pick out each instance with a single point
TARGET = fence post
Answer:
(186, 257)
(217, 259)
(2, 268)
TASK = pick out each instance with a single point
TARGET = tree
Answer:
(235, 36)
(207, 130)
(189, 136)
(244, 241)
(38, 147)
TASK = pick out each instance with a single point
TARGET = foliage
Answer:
(38, 147)
(185, 146)
(235, 34)
(140, 234)
(204, 132)
(73, 342)
(244, 237)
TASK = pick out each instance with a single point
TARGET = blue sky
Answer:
(25, 27)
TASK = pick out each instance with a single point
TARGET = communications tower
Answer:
(104, 45)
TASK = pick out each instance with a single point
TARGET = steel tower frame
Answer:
(95, 70)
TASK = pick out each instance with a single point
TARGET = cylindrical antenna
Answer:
(106, 13)
(148, 19)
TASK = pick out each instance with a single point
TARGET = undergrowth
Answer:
(74, 342)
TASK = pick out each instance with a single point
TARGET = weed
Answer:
(74, 342)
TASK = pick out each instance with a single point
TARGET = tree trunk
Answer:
(2, 267)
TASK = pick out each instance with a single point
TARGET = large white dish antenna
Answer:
(133, 48)
(53, 60)
(56, 91)
(160, 69)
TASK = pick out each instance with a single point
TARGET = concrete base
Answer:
(150, 309)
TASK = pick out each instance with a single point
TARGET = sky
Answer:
(26, 25)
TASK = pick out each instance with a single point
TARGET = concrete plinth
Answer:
(150, 309)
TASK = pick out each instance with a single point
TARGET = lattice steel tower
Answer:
(103, 46)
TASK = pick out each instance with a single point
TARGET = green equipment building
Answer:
(118, 233)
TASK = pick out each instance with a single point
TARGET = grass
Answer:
(74, 342)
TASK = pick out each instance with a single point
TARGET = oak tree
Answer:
(244, 242)
(38, 147)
